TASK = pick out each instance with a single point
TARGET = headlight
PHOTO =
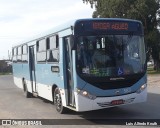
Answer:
(142, 88)
(86, 94)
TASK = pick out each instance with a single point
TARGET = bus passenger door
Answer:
(69, 71)
(32, 68)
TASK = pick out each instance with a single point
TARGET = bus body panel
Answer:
(46, 78)
(112, 92)
(85, 104)
(44, 89)
(20, 71)
(18, 82)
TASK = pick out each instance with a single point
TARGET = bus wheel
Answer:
(58, 101)
(26, 93)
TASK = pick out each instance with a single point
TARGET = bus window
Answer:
(19, 52)
(41, 45)
(53, 41)
(52, 49)
(14, 54)
(24, 49)
(24, 53)
(14, 51)
(111, 53)
(41, 50)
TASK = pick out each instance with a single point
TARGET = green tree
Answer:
(147, 11)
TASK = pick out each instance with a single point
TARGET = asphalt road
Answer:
(14, 105)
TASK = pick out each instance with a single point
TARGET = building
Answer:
(5, 66)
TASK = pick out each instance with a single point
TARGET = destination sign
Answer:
(110, 25)
(105, 27)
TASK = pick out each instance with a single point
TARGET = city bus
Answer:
(84, 65)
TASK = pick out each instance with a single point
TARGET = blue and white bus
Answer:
(84, 65)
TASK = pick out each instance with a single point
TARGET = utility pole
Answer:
(9, 55)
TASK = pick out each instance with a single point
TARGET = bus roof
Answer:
(68, 25)
(109, 19)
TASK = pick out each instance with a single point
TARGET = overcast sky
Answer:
(20, 19)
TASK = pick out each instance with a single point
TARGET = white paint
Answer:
(82, 103)
(29, 85)
(44, 91)
(85, 104)
(18, 82)
(63, 96)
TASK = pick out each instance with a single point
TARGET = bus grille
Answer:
(114, 84)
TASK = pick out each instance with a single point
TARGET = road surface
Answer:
(14, 105)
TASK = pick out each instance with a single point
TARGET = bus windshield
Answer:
(110, 55)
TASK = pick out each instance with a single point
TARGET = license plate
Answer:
(117, 102)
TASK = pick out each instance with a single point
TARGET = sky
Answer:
(21, 19)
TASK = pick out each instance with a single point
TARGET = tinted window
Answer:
(24, 49)
(52, 49)
(14, 53)
(110, 55)
(41, 56)
(19, 51)
(41, 45)
(24, 53)
(53, 55)
(41, 50)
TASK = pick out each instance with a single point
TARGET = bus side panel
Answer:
(20, 71)
(45, 79)
(17, 74)
(26, 76)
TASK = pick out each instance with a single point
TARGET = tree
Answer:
(147, 11)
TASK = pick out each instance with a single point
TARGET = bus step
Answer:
(72, 108)
(72, 105)
(35, 94)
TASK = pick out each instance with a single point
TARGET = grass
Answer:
(151, 71)
(5, 73)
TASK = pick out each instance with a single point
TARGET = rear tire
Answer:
(26, 93)
(58, 102)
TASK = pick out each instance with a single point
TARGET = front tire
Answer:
(58, 102)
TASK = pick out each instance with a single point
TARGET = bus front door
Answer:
(32, 68)
(69, 71)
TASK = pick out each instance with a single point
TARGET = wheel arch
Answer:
(23, 84)
(54, 86)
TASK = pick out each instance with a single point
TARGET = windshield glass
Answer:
(110, 55)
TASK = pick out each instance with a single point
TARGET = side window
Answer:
(14, 55)
(24, 54)
(19, 53)
(41, 50)
(53, 48)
